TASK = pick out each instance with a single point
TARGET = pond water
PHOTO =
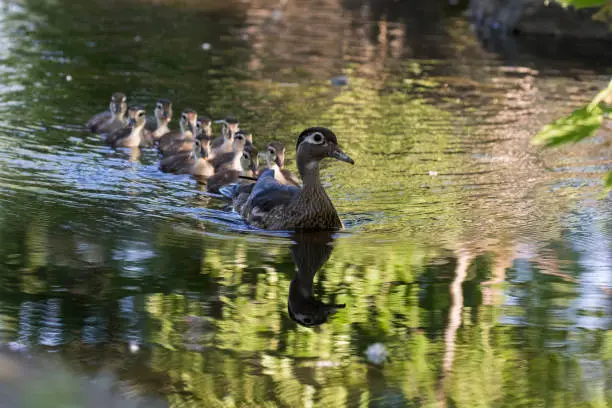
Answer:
(482, 264)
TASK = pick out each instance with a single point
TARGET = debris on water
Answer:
(377, 353)
(206, 46)
(341, 80)
(69, 78)
(137, 38)
(433, 173)
(134, 347)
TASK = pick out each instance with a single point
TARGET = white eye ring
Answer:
(317, 138)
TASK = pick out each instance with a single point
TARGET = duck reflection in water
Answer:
(310, 251)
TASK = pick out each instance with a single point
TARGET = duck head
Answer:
(201, 148)
(315, 144)
(275, 154)
(118, 104)
(163, 111)
(188, 121)
(137, 116)
(230, 127)
(240, 141)
(249, 161)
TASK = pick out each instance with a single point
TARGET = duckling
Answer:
(231, 160)
(194, 162)
(275, 159)
(223, 144)
(274, 206)
(132, 135)
(172, 142)
(111, 120)
(249, 161)
(163, 116)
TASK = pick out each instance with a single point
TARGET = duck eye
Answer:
(317, 137)
(141, 114)
(246, 156)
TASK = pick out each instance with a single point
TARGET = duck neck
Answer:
(310, 175)
(236, 161)
(162, 128)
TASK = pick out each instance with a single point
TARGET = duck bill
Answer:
(338, 154)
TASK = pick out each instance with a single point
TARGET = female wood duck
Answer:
(133, 135)
(249, 161)
(194, 162)
(275, 160)
(223, 144)
(274, 206)
(172, 142)
(113, 119)
(231, 160)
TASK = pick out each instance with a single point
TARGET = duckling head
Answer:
(315, 144)
(201, 148)
(249, 161)
(188, 121)
(118, 104)
(137, 116)
(240, 141)
(230, 127)
(204, 128)
(275, 154)
(163, 110)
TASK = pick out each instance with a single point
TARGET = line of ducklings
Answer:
(268, 197)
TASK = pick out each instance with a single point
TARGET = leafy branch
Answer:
(579, 125)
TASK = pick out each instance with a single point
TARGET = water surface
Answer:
(480, 262)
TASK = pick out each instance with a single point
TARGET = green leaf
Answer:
(608, 181)
(600, 97)
(582, 3)
(581, 124)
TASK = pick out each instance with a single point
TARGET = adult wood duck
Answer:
(275, 160)
(172, 142)
(249, 162)
(274, 206)
(132, 135)
(194, 162)
(223, 143)
(111, 120)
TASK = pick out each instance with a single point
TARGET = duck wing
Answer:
(116, 136)
(221, 179)
(97, 120)
(268, 200)
(180, 163)
(165, 141)
(147, 139)
(220, 160)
